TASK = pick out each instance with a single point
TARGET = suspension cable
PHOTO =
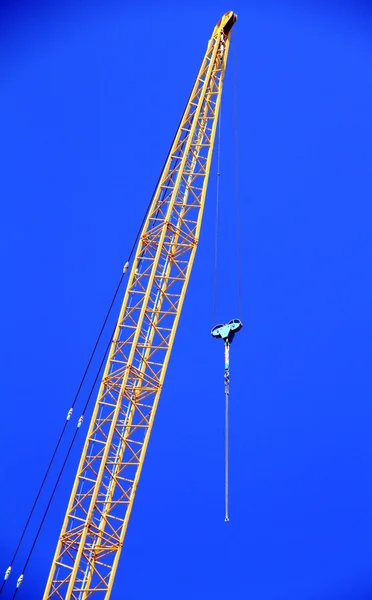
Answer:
(80, 421)
(237, 209)
(227, 331)
(61, 435)
(69, 414)
(216, 216)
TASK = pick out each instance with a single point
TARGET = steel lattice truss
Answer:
(102, 497)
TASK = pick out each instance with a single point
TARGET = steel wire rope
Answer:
(8, 571)
(61, 435)
(216, 216)
(238, 239)
(237, 208)
(214, 311)
(64, 462)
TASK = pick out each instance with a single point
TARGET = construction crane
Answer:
(94, 527)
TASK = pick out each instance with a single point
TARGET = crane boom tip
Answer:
(226, 22)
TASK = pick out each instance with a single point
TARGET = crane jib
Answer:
(93, 531)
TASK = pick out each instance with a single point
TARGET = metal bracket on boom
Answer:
(227, 333)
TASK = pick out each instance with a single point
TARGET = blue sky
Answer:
(90, 98)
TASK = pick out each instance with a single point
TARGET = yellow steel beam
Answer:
(102, 496)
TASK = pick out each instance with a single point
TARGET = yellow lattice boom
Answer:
(101, 500)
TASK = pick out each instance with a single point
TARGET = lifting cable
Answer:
(216, 216)
(237, 209)
(228, 331)
(69, 414)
